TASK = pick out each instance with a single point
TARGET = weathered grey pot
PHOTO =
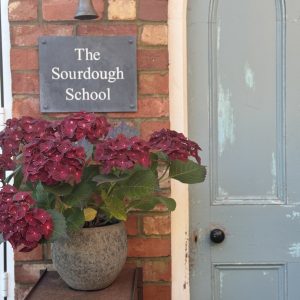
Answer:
(91, 258)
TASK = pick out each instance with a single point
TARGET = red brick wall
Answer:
(149, 234)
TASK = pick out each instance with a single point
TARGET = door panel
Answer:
(243, 88)
(244, 110)
(267, 280)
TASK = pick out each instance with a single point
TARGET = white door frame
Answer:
(179, 121)
(5, 114)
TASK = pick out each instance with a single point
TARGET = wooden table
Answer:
(128, 286)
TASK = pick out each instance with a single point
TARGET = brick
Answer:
(157, 292)
(148, 127)
(23, 10)
(154, 83)
(153, 59)
(155, 35)
(121, 9)
(25, 83)
(132, 225)
(26, 106)
(153, 10)
(157, 225)
(157, 270)
(142, 247)
(35, 254)
(147, 108)
(107, 30)
(21, 291)
(30, 273)
(27, 35)
(24, 59)
(55, 10)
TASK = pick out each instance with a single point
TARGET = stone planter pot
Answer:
(92, 258)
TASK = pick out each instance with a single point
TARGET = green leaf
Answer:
(149, 203)
(26, 187)
(74, 218)
(39, 193)
(1, 238)
(109, 178)
(154, 162)
(81, 192)
(169, 203)
(44, 199)
(115, 207)
(14, 172)
(51, 201)
(89, 172)
(60, 227)
(143, 204)
(141, 183)
(61, 189)
(18, 179)
(187, 171)
(162, 156)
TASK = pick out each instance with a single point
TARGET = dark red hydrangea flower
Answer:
(11, 137)
(52, 160)
(22, 131)
(33, 128)
(174, 144)
(21, 223)
(122, 153)
(6, 163)
(84, 125)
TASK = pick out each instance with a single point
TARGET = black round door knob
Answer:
(217, 236)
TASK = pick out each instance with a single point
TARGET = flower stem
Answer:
(112, 185)
(164, 173)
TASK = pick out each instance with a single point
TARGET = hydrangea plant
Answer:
(73, 173)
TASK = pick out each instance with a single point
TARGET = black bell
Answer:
(86, 10)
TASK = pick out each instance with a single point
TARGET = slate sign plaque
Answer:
(94, 74)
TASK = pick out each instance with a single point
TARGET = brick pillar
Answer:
(149, 234)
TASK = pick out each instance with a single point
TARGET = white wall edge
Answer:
(178, 117)
(8, 114)
(6, 59)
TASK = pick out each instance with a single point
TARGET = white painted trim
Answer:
(8, 114)
(178, 117)
(6, 60)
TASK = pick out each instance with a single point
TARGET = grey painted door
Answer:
(244, 110)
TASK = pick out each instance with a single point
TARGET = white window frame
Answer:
(7, 282)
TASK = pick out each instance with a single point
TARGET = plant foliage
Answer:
(82, 172)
